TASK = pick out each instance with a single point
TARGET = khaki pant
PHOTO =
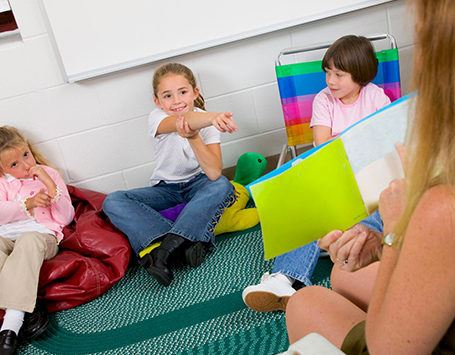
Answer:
(20, 264)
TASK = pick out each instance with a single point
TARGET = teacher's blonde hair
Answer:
(431, 145)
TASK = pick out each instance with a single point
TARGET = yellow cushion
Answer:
(237, 217)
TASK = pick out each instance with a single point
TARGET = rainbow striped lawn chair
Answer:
(299, 83)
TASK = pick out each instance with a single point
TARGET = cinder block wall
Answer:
(95, 131)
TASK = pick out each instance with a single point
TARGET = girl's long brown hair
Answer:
(431, 145)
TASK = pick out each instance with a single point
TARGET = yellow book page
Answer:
(303, 203)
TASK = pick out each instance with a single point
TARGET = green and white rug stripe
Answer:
(202, 312)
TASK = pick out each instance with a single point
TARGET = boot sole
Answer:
(159, 276)
(266, 301)
(195, 254)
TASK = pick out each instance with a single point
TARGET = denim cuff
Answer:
(227, 202)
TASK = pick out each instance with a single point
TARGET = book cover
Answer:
(332, 186)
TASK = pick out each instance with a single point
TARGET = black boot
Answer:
(195, 253)
(158, 267)
(35, 323)
(157, 261)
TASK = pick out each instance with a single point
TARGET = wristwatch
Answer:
(388, 239)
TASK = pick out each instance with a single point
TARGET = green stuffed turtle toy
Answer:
(250, 166)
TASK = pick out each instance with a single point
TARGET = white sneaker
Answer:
(272, 294)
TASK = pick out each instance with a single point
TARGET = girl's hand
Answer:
(38, 172)
(224, 122)
(41, 199)
(353, 249)
(184, 130)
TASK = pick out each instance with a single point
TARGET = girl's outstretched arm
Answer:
(222, 121)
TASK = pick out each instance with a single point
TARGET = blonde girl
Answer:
(34, 208)
(187, 170)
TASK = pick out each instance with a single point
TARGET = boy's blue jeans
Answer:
(136, 212)
(300, 263)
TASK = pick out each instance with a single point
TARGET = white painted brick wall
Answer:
(95, 131)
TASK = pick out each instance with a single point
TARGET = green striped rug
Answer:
(202, 312)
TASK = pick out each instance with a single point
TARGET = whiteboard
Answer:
(4, 6)
(95, 37)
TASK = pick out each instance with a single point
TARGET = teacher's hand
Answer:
(392, 200)
(353, 249)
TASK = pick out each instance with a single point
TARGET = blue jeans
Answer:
(136, 212)
(300, 263)
(374, 222)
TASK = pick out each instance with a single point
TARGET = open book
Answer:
(332, 186)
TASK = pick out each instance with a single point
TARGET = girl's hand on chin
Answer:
(38, 172)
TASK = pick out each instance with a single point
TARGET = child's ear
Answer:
(197, 92)
(156, 101)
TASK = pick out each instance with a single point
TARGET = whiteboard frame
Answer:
(106, 69)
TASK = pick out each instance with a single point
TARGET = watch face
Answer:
(388, 239)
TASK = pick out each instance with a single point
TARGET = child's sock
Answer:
(13, 320)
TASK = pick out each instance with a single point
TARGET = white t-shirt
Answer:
(175, 160)
(331, 112)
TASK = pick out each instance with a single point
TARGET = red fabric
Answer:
(7, 21)
(93, 256)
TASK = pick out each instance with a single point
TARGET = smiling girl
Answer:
(187, 170)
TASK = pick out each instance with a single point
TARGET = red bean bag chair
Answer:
(93, 256)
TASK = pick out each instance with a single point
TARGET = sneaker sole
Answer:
(266, 301)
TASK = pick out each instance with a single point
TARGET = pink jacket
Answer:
(13, 193)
